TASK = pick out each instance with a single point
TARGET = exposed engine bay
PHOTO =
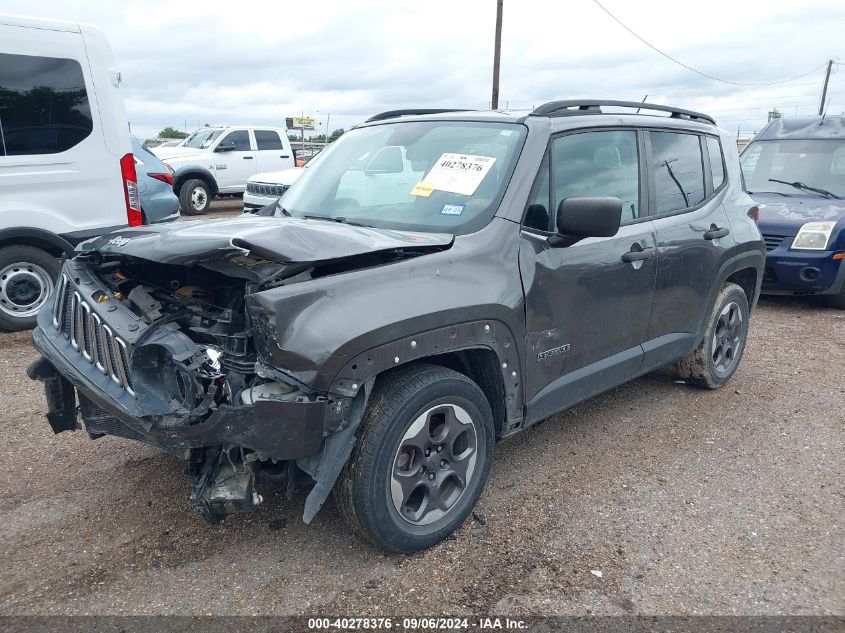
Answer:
(208, 357)
(150, 332)
(195, 356)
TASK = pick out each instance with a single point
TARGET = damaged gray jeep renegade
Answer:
(438, 281)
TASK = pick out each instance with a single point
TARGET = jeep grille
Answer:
(262, 189)
(89, 336)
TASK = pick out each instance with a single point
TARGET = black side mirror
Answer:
(225, 147)
(578, 218)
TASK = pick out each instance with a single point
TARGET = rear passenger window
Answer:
(267, 139)
(717, 164)
(678, 171)
(592, 164)
(43, 105)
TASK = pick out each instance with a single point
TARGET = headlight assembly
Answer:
(813, 236)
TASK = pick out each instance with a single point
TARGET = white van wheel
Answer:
(27, 276)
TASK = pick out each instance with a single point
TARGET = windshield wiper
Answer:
(339, 219)
(805, 187)
(779, 193)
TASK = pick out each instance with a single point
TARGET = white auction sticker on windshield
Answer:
(459, 173)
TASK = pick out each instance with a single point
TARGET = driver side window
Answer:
(238, 138)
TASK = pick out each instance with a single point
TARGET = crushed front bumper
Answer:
(282, 430)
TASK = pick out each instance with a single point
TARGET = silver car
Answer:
(155, 183)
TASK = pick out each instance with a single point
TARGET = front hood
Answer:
(258, 248)
(283, 177)
(784, 216)
(167, 153)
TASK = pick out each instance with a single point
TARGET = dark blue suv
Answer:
(795, 170)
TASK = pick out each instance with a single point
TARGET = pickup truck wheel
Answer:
(715, 360)
(421, 460)
(27, 276)
(194, 197)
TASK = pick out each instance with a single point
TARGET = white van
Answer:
(66, 166)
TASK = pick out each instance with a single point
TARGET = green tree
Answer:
(170, 132)
(336, 134)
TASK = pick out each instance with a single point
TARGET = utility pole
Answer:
(824, 89)
(497, 53)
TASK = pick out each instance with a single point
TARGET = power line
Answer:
(703, 74)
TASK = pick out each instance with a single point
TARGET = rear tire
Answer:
(421, 460)
(715, 360)
(27, 277)
(194, 197)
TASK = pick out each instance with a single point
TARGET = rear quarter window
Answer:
(44, 106)
(717, 163)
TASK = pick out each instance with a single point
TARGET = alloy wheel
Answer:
(434, 464)
(727, 338)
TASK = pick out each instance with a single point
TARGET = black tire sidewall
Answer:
(734, 294)
(33, 255)
(384, 521)
(185, 194)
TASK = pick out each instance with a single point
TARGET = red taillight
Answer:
(168, 178)
(130, 190)
(754, 213)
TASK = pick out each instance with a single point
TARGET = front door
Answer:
(234, 161)
(588, 304)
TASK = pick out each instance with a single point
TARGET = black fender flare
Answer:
(482, 334)
(755, 259)
(33, 236)
(185, 172)
(357, 376)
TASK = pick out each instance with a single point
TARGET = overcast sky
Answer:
(187, 62)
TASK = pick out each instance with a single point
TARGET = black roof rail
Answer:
(577, 106)
(392, 114)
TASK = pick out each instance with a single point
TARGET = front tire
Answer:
(194, 197)
(715, 360)
(27, 276)
(421, 460)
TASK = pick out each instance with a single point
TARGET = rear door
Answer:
(270, 151)
(587, 308)
(693, 237)
(233, 166)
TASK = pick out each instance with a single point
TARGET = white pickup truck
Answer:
(219, 160)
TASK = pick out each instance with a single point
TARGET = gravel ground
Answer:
(655, 498)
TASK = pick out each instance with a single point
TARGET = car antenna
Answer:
(643, 101)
